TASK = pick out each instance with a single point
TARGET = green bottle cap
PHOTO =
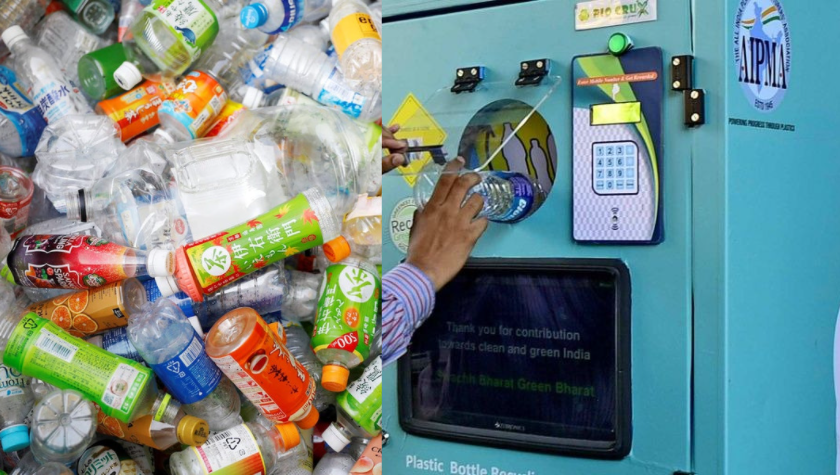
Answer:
(619, 44)
(96, 72)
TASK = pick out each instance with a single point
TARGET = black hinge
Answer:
(695, 107)
(684, 473)
(682, 73)
(532, 72)
(466, 79)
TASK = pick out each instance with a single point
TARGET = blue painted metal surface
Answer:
(746, 283)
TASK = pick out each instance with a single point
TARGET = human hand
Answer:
(396, 147)
(444, 234)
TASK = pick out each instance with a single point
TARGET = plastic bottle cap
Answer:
(192, 431)
(15, 437)
(127, 75)
(160, 263)
(253, 16)
(334, 378)
(253, 97)
(288, 434)
(309, 420)
(337, 250)
(334, 438)
(167, 286)
(12, 35)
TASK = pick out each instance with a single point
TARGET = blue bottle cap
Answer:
(14, 438)
(254, 15)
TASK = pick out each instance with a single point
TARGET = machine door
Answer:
(422, 55)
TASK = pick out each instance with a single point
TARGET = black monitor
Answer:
(525, 354)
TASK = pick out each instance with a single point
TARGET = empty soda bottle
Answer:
(167, 341)
(63, 425)
(81, 262)
(21, 124)
(359, 409)
(509, 197)
(94, 14)
(346, 321)
(358, 44)
(67, 41)
(51, 91)
(274, 16)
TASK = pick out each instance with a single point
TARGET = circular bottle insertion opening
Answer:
(513, 137)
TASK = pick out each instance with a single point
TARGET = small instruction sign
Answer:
(603, 13)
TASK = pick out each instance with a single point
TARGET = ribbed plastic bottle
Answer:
(63, 425)
(358, 44)
(275, 16)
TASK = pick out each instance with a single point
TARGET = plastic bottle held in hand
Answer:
(166, 38)
(362, 233)
(252, 355)
(335, 464)
(359, 409)
(205, 266)
(301, 66)
(39, 73)
(148, 431)
(358, 43)
(297, 342)
(21, 124)
(81, 262)
(256, 452)
(67, 41)
(275, 16)
(167, 341)
(134, 209)
(63, 426)
(94, 14)
(91, 312)
(346, 320)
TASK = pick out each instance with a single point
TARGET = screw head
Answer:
(473, 71)
(695, 94)
(677, 84)
(695, 117)
(539, 64)
(676, 62)
(524, 66)
(460, 73)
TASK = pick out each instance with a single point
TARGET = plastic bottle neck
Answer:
(79, 206)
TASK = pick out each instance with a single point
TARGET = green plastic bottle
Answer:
(97, 15)
(359, 409)
(96, 72)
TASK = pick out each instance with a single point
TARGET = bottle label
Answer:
(337, 95)
(151, 221)
(18, 110)
(66, 261)
(106, 458)
(293, 11)
(363, 398)
(196, 102)
(253, 73)
(351, 29)
(180, 299)
(39, 348)
(286, 230)
(53, 99)
(347, 310)
(12, 382)
(190, 375)
(234, 451)
(136, 111)
(270, 377)
(87, 312)
(96, 14)
(139, 431)
(523, 197)
(191, 21)
(116, 341)
(229, 113)
(370, 463)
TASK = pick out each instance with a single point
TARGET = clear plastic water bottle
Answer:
(166, 38)
(63, 425)
(303, 67)
(145, 152)
(509, 197)
(66, 41)
(361, 234)
(358, 44)
(134, 208)
(74, 153)
(275, 16)
(335, 464)
(24, 13)
(21, 124)
(51, 91)
(297, 342)
(28, 465)
(129, 11)
(376, 14)
(166, 340)
(311, 34)
(94, 14)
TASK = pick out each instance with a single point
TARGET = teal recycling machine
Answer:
(669, 307)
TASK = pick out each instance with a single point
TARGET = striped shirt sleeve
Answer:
(408, 298)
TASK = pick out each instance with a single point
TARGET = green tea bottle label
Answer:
(41, 349)
(191, 21)
(363, 398)
(348, 308)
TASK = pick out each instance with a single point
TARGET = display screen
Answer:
(522, 352)
(618, 113)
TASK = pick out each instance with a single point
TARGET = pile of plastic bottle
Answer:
(190, 235)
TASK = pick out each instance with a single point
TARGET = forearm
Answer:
(408, 298)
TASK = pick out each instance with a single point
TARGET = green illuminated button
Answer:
(620, 44)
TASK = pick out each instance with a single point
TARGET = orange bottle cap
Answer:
(337, 250)
(184, 275)
(309, 420)
(334, 378)
(289, 435)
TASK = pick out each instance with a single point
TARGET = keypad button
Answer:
(619, 173)
(610, 162)
(610, 185)
(610, 173)
(619, 161)
(619, 185)
(631, 184)
(610, 151)
(599, 151)
(599, 163)
(599, 174)
(630, 173)
(599, 185)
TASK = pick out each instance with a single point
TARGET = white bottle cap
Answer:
(253, 97)
(334, 438)
(167, 286)
(197, 326)
(160, 263)
(12, 35)
(127, 75)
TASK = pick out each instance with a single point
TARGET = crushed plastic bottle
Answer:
(67, 42)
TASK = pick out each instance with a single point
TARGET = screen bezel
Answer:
(616, 449)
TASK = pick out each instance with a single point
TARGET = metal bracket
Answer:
(682, 73)
(695, 107)
(466, 79)
(532, 72)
